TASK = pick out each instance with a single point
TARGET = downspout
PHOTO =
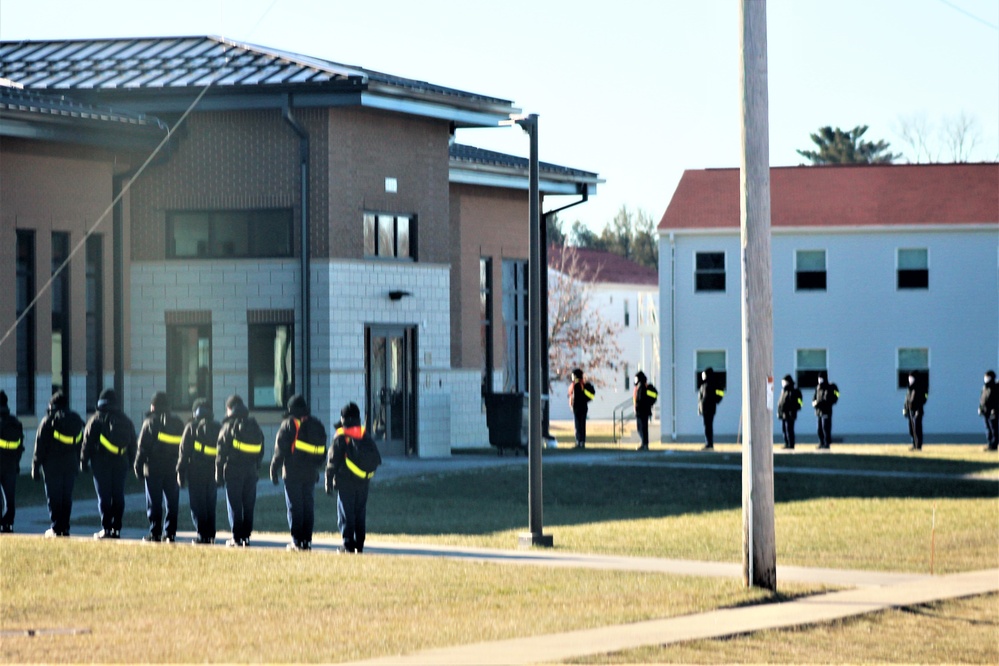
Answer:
(672, 330)
(303, 139)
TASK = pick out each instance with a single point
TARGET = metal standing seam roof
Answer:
(13, 99)
(182, 62)
(479, 156)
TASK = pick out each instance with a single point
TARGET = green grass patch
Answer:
(159, 603)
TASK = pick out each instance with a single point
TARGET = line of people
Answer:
(202, 455)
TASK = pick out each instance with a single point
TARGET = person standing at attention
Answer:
(57, 458)
(580, 394)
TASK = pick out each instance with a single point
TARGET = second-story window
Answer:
(390, 236)
(229, 234)
(913, 268)
(709, 271)
(810, 270)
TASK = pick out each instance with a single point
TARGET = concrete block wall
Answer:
(468, 415)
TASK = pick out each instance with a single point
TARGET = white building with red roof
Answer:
(877, 270)
(625, 294)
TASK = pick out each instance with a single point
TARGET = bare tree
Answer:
(961, 134)
(578, 336)
(954, 140)
(916, 132)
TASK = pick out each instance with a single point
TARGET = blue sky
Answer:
(636, 90)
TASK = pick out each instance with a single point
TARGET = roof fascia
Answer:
(461, 117)
(513, 181)
(816, 231)
(118, 136)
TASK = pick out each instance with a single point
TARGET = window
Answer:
(913, 358)
(389, 236)
(60, 313)
(26, 326)
(710, 271)
(271, 364)
(189, 364)
(229, 234)
(810, 270)
(486, 320)
(716, 360)
(627, 315)
(809, 363)
(95, 320)
(913, 269)
(515, 309)
(627, 378)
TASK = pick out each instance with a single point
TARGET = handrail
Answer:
(626, 411)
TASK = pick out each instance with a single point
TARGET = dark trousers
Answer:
(787, 426)
(992, 430)
(204, 495)
(916, 429)
(300, 498)
(8, 483)
(240, 499)
(642, 424)
(825, 430)
(60, 477)
(109, 482)
(579, 419)
(161, 485)
(351, 515)
(709, 429)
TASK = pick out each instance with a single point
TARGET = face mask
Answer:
(912, 380)
(785, 384)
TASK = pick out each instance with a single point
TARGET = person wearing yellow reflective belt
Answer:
(11, 448)
(109, 446)
(581, 393)
(240, 451)
(708, 397)
(644, 399)
(156, 464)
(353, 459)
(299, 453)
(787, 409)
(196, 468)
(57, 458)
(826, 395)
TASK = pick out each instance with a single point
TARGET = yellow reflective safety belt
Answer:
(588, 394)
(719, 393)
(67, 439)
(168, 439)
(207, 450)
(246, 448)
(9, 444)
(651, 393)
(357, 470)
(309, 448)
(106, 443)
(837, 393)
(799, 402)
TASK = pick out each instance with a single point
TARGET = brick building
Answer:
(369, 292)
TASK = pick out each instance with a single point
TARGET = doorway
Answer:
(390, 371)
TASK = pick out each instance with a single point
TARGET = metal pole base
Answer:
(528, 539)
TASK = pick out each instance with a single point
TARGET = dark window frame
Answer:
(486, 314)
(720, 374)
(61, 311)
(708, 279)
(252, 339)
(902, 372)
(912, 278)
(26, 283)
(377, 250)
(807, 378)
(180, 402)
(94, 319)
(810, 280)
(259, 246)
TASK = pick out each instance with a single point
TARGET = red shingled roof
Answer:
(606, 267)
(844, 196)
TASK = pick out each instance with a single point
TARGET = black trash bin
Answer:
(506, 421)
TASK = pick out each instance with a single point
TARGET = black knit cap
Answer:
(577, 373)
(788, 378)
(160, 402)
(640, 376)
(350, 415)
(201, 409)
(108, 398)
(58, 400)
(297, 405)
(233, 401)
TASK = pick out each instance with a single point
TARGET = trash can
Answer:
(506, 421)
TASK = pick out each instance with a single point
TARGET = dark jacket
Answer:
(352, 461)
(708, 396)
(240, 443)
(789, 403)
(988, 404)
(580, 395)
(12, 434)
(109, 434)
(299, 450)
(198, 446)
(59, 439)
(826, 395)
(644, 397)
(159, 443)
(915, 399)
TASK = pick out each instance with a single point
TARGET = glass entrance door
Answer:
(391, 388)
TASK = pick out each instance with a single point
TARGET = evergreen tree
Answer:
(836, 146)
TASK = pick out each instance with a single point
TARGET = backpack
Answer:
(364, 453)
(68, 424)
(589, 391)
(651, 394)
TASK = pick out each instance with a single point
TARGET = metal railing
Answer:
(621, 412)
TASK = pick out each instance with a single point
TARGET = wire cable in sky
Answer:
(970, 15)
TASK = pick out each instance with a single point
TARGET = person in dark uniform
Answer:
(57, 458)
(240, 451)
(156, 463)
(109, 446)
(708, 397)
(353, 459)
(787, 409)
(196, 468)
(826, 395)
(581, 393)
(11, 448)
(988, 407)
(299, 453)
(643, 399)
(913, 408)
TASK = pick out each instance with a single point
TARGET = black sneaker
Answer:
(115, 534)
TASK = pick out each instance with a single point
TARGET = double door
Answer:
(390, 364)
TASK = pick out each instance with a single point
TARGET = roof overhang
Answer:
(519, 180)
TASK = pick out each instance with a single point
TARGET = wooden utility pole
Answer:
(759, 556)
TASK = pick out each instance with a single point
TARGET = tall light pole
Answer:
(536, 355)
(759, 556)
